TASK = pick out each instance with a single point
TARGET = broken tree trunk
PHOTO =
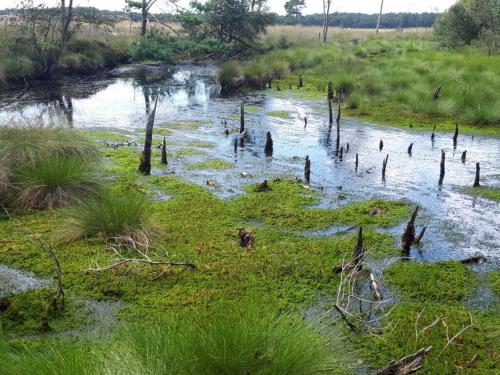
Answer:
(235, 146)
(338, 118)
(145, 163)
(330, 91)
(377, 295)
(307, 169)
(347, 148)
(464, 156)
(341, 153)
(357, 162)
(381, 145)
(330, 113)
(242, 118)
(305, 122)
(407, 365)
(476, 180)
(455, 136)
(359, 252)
(268, 150)
(384, 166)
(442, 167)
(410, 149)
(409, 235)
(164, 152)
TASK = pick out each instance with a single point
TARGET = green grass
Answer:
(279, 114)
(392, 81)
(494, 281)
(432, 281)
(110, 216)
(492, 193)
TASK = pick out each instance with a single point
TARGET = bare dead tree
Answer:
(326, 18)
(380, 15)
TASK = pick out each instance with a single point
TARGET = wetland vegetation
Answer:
(228, 256)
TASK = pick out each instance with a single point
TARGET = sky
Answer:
(313, 6)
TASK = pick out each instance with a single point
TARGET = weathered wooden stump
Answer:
(409, 235)
(374, 286)
(307, 169)
(455, 137)
(347, 148)
(359, 251)
(164, 152)
(405, 366)
(381, 145)
(341, 153)
(301, 82)
(242, 118)
(263, 187)
(410, 149)
(268, 149)
(384, 166)
(357, 162)
(235, 145)
(464, 156)
(442, 167)
(476, 179)
(145, 160)
(330, 113)
(269, 86)
(338, 117)
(305, 122)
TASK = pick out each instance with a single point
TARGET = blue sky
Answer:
(313, 6)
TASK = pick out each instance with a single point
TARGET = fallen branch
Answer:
(406, 365)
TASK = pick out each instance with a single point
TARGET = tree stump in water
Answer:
(262, 187)
(418, 239)
(301, 82)
(242, 118)
(442, 167)
(384, 166)
(330, 113)
(359, 252)
(164, 152)
(268, 149)
(410, 149)
(409, 235)
(235, 145)
(305, 122)
(455, 137)
(145, 161)
(307, 169)
(357, 162)
(347, 148)
(381, 145)
(341, 153)
(476, 179)
(464, 156)
(338, 117)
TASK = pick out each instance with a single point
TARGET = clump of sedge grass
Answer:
(111, 218)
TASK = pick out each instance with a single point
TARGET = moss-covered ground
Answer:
(283, 269)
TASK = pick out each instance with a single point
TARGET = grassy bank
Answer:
(241, 310)
(388, 80)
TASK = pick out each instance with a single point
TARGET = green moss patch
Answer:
(494, 281)
(211, 164)
(279, 114)
(432, 281)
(485, 192)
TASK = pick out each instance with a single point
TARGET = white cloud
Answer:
(313, 6)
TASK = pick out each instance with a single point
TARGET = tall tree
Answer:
(294, 8)
(144, 6)
(66, 17)
(380, 15)
(326, 20)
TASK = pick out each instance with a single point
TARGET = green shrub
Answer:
(154, 46)
(109, 217)
(353, 101)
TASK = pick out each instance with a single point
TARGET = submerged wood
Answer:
(474, 259)
(409, 235)
(164, 152)
(268, 149)
(476, 179)
(347, 148)
(305, 122)
(418, 239)
(406, 365)
(145, 162)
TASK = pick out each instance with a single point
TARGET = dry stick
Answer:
(409, 235)
(464, 156)
(375, 288)
(406, 365)
(343, 315)
(242, 118)
(330, 91)
(458, 334)
(420, 236)
(384, 166)
(164, 152)
(442, 167)
(476, 180)
(410, 149)
(455, 137)
(307, 169)
(357, 162)
(381, 145)
(268, 149)
(145, 162)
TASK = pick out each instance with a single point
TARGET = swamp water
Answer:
(194, 117)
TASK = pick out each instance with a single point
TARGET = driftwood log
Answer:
(406, 365)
